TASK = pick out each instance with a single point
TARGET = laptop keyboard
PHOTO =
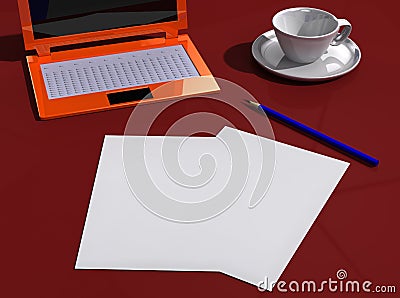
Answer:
(112, 72)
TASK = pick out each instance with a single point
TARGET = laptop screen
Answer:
(51, 18)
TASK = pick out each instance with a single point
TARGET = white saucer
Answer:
(337, 61)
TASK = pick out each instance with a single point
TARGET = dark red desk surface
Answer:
(48, 167)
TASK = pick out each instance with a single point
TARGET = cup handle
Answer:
(342, 36)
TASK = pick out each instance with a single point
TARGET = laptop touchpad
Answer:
(130, 95)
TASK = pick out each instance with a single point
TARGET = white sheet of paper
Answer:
(251, 244)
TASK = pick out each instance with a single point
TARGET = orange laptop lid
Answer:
(50, 27)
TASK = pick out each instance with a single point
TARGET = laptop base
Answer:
(123, 97)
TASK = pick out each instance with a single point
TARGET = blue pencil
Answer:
(339, 146)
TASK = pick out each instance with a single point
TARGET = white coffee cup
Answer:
(304, 33)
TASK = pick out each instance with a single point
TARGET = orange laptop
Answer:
(94, 55)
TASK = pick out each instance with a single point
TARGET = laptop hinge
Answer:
(43, 50)
(171, 33)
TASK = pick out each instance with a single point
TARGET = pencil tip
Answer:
(253, 103)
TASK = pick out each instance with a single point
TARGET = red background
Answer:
(48, 167)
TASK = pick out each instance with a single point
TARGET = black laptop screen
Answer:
(52, 18)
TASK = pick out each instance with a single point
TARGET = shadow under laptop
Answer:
(240, 58)
(12, 50)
